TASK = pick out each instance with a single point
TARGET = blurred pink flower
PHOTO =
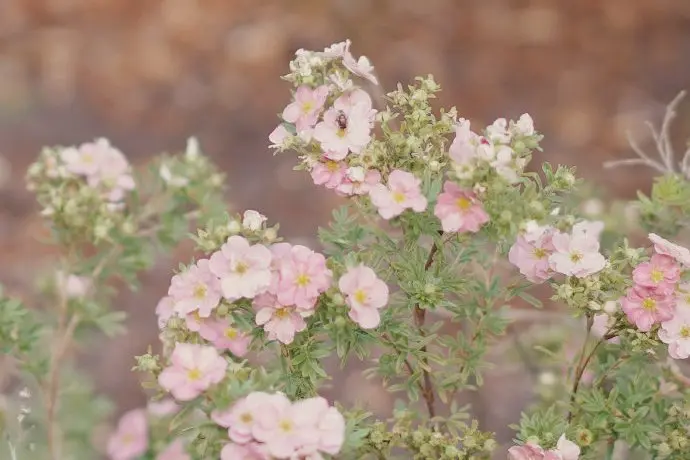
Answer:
(193, 369)
(225, 336)
(174, 451)
(661, 272)
(279, 321)
(328, 173)
(459, 210)
(241, 416)
(162, 408)
(676, 333)
(402, 192)
(232, 451)
(358, 181)
(365, 293)
(303, 277)
(662, 246)
(284, 427)
(530, 253)
(165, 309)
(576, 255)
(131, 438)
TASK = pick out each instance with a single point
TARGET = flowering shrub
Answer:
(442, 225)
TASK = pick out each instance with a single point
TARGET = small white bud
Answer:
(234, 227)
(253, 220)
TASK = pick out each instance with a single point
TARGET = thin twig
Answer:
(583, 362)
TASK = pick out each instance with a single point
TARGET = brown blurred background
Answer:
(149, 73)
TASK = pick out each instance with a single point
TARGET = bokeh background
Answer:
(149, 73)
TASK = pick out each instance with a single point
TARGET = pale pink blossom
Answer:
(174, 451)
(344, 131)
(326, 430)
(194, 322)
(354, 98)
(463, 148)
(241, 416)
(193, 369)
(402, 192)
(328, 173)
(365, 294)
(304, 111)
(576, 255)
(225, 336)
(526, 452)
(524, 126)
(498, 131)
(601, 324)
(459, 210)
(243, 269)
(165, 309)
(303, 277)
(162, 408)
(131, 439)
(530, 253)
(114, 172)
(196, 289)
(253, 220)
(75, 287)
(662, 246)
(661, 272)
(284, 427)
(232, 451)
(361, 67)
(357, 181)
(676, 332)
(278, 136)
(645, 307)
(588, 229)
(506, 164)
(279, 321)
(568, 450)
(82, 161)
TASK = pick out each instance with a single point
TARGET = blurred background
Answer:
(148, 74)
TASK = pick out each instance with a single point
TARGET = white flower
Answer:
(193, 151)
(168, 178)
(568, 449)
(524, 126)
(665, 247)
(252, 220)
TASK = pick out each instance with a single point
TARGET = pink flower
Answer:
(601, 325)
(162, 408)
(278, 136)
(241, 416)
(403, 192)
(232, 451)
(524, 126)
(357, 181)
(645, 307)
(530, 253)
(283, 427)
(243, 269)
(355, 97)
(174, 451)
(131, 438)
(463, 148)
(279, 321)
(225, 337)
(75, 287)
(194, 322)
(459, 210)
(305, 109)
(303, 277)
(196, 289)
(193, 369)
(665, 247)
(526, 452)
(361, 67)
(661, 272)
(676, 332)
(344, 130)
(568, 450)
(590, 229)
(326, 428)
(365, 293)
(328, 173)
(165, 310)
(576, 255)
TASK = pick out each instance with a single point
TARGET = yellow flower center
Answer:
(685, 332)
(127, 439)
(87, 158)
(302, 280)
(241, 268)
(194, 374)
(332, 166)
(656, 275)
(196, 316)
(649, 304)
(398, 197)
(340, 132)
(200, 291)
(575, 256)
(539, 253)
(285, 426)
(246, 418)
(282, 313)
(307, 107)
(463, 203)
(360, 296)
(231, 333)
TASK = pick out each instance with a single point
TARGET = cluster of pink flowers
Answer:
(265, 426)
(565, 450)
(541, 251)
(103, 166)
(469, 149)
(656, 297)
(131, 438)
